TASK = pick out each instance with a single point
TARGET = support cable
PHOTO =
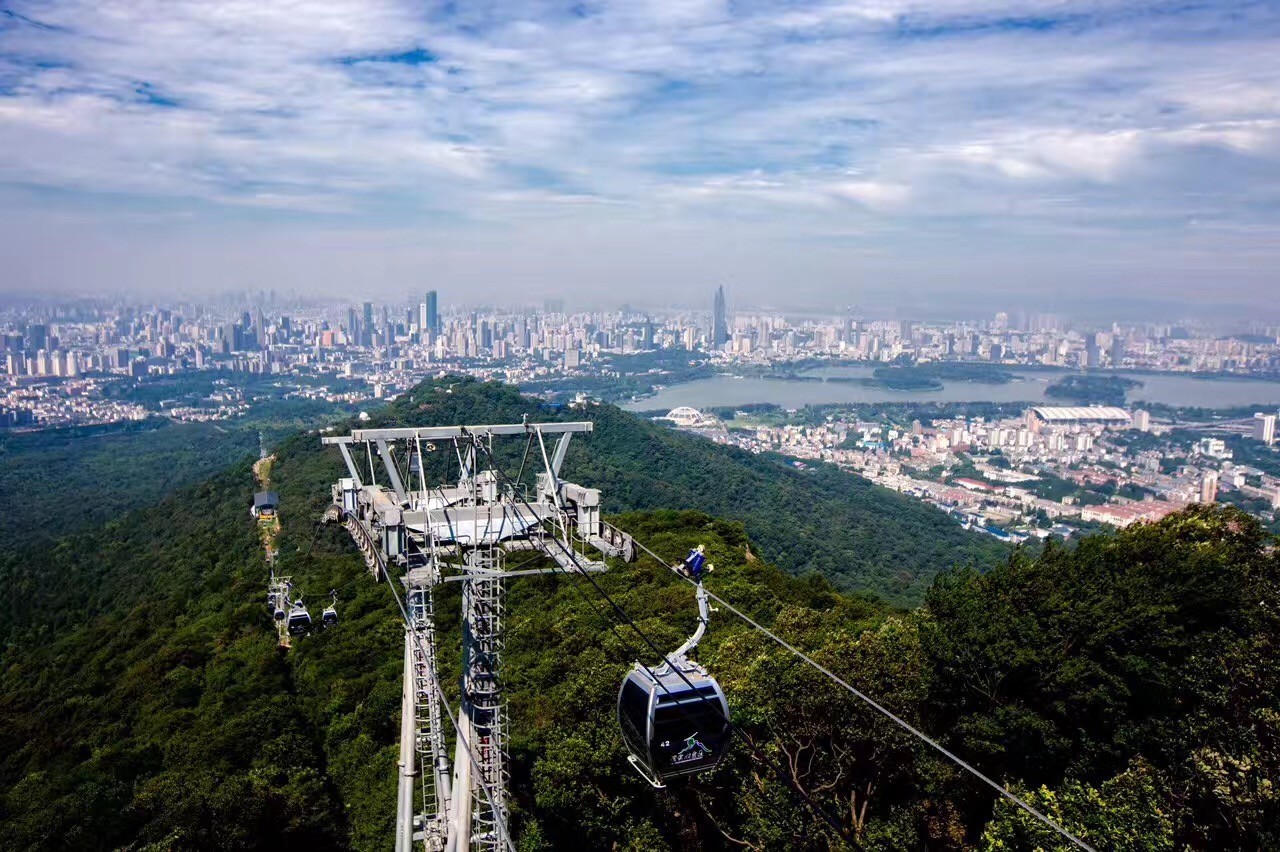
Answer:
(878, 707)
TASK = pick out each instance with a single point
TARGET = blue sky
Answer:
(800, 152)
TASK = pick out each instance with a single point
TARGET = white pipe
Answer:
(404, 814)
(460, 816)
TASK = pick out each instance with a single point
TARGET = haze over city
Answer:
(809, 154)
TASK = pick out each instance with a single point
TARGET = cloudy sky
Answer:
(881, 151)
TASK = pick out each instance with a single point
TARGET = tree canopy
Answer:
(1126, 686)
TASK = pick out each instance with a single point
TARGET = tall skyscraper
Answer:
(433, 313)
(719, 320)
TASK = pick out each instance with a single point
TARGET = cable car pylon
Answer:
(419, 534)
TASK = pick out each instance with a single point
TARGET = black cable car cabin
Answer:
(299, 619)
(671, 728)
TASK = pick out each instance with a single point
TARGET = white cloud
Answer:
(819, 117)
(874, 194)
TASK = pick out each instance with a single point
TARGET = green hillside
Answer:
(61, 480)
(56, 481)
(861, 537)
(1127, 685)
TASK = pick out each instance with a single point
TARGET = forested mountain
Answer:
(862, 537)
(56, 481)
(61, 480)
(1127, 685)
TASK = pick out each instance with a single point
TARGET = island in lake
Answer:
(929, 377)
(1092, 390)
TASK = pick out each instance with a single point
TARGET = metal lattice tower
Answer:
(483, 702)
(428, 734)
(422, 534)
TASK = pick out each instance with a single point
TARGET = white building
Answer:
(1214, 448)
(687, 417)
(1264, 428)
(1077, 415)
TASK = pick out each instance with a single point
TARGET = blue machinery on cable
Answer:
(674, 717)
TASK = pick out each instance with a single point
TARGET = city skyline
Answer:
(1017, 426)
(880, 153)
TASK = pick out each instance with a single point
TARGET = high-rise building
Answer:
(433, 313)
(367, 327)
(37, 336)
(1264, 428)
(719, 320)
(1117, 351)
(1209, 487)
(1092, 352)
(1141, 420)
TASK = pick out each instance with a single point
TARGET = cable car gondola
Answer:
(674, 718)
(299, 619)
(329, 617)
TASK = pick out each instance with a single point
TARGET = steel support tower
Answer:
(460, 528)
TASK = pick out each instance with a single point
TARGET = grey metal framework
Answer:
(422, 534)
(280, 600)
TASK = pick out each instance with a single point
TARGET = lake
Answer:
(1029, 386)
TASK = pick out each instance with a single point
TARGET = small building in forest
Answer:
(265, 504)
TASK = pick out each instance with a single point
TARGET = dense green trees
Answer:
(1157, 645)
(141, 699)
(1092, 389)
(1127, 686)
(63, 480)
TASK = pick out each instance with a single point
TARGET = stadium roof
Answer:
(1080, 412)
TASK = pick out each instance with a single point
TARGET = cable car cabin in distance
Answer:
(673, 728)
